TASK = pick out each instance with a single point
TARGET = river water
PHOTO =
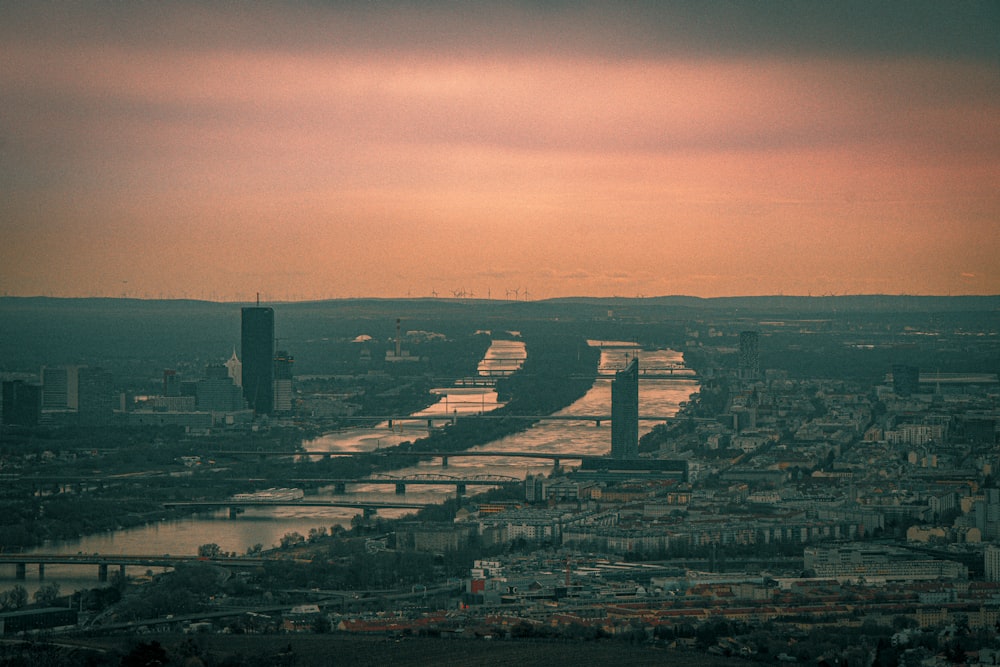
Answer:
(660, 394)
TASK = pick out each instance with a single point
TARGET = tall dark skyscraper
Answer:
(257, 347)
(625, 412)
(22, 403)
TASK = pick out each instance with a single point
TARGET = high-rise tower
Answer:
(257, 349)
(235, 369)
(60, 388)
(22, 403)
(283, 396)
(625, 412)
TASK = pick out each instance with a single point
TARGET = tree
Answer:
(15, 598)
(291, 539)
(146, 654)
(522, 629)
(47, 594)
(211, 550)
(322, 624)
(118, 581)
(954, 652)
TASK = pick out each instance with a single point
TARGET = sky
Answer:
(313, 150)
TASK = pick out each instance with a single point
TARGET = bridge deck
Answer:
(406, 481)
(393, 452)
(441, 416)
(161, 560)
(297, 503)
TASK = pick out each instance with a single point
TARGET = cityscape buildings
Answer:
(808, 500)
(171, 382)
(217, 392)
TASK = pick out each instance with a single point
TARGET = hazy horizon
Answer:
(312, 151)
(476, 299)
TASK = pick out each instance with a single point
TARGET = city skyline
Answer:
(501, 150)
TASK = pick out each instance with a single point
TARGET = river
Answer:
(660, 394)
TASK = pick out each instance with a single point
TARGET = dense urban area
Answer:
(826, 494)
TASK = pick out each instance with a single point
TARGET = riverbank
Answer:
(72, 518)
(557, 372)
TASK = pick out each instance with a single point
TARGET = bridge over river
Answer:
(339, 483)
(401, 482)
(444, 456)
(103, 561)
(451, 417)
(236, 506)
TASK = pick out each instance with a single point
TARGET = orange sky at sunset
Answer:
(311, 150)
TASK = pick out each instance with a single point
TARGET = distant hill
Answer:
(872, 303)
(136, 334)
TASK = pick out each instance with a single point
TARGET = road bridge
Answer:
(556, 457)
(460, 483)
(399, 481)
(444, 456)
(450, 418)
(103, 561)
(339, 483)
(656, 373)
(236, 507)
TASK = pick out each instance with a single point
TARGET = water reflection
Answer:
(660, 394)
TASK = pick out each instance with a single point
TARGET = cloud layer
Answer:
(307, 151)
